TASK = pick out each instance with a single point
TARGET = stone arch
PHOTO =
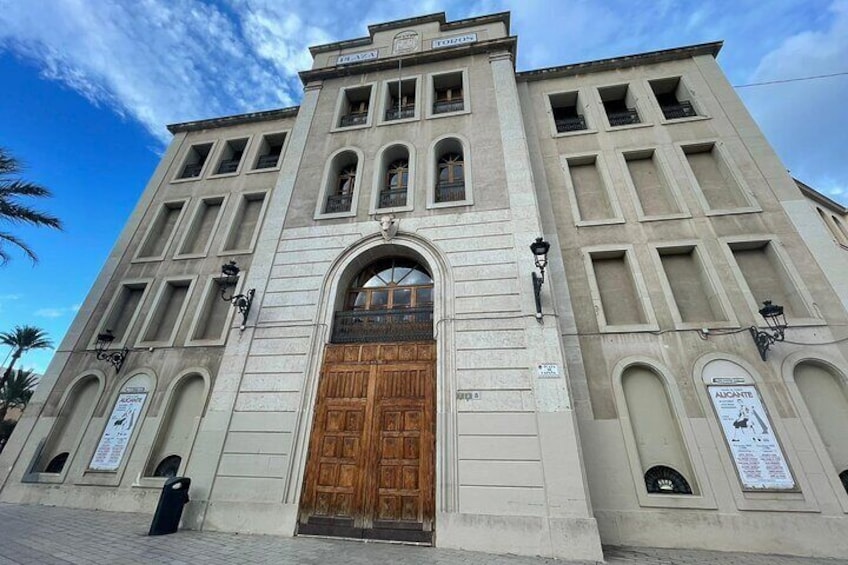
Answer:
(651, 417)
(350, 262)
(179, 420)
(72, 419)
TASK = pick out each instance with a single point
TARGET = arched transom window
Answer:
(389, 300)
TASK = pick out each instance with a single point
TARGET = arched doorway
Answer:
(371, 463)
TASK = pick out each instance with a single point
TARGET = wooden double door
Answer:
(371, 463)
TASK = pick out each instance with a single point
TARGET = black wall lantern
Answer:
(773, 313)
(540, 249)
(117, 357)
(229, 278)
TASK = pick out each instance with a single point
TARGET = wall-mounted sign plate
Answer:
(547, 370)
(357, 57)
(454, 41)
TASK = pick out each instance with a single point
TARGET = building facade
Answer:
(378, 361)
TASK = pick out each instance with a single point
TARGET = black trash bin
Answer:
(170, 508)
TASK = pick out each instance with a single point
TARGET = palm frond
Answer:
(6, 237)
(18, 187)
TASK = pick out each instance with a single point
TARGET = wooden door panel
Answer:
(372, 450)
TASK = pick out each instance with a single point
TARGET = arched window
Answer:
(168, 467)
(659, 442)
(342, 183)
(450, 185)
(393, 192)
(826, 397)
(389, 300)
(665, 480)
(69, 426)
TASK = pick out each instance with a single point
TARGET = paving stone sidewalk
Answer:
(50, 535)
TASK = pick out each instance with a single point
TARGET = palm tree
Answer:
(17, 391)
(21, 340)
(12, 211)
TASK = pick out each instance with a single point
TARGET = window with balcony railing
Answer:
(270, 149)
(355, 106)
(448, 93)
(340, 199)
(390, 300)
(565, 107)
(231, 156)
(673, 98)
(619, 105)
(194, 161)
(450, 186)
(394, 190)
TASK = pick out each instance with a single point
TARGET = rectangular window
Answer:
(674, 99)
(167, 311)
(619, 105)
(590, 193)
(567, 112)
(160, 232)
(214, 312)
(767, 277)
(355, 106)
(400, 105)
(620, 301)
(245, 223)
(123, 311)
(718, 185)
(653, 190)
(694, 294)
(202, 227)
(270, 149)
(448, 93)
(231, 156)
(195, 159)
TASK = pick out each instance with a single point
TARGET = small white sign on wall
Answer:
(547, 371)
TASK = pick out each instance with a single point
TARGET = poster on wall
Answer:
(119, 429)
(750, 435)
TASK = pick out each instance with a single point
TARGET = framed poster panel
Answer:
(751, 439)
(119, 429)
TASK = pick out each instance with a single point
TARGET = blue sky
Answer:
(88, 87)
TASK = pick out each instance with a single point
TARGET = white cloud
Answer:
(805, 121)
(55, 312)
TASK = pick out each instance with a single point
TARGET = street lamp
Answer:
(101, 347)
(776, 321)
(229, 278)
(540, 249)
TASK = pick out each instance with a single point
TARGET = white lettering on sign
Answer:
(119, 429)
(547, 370)
(453, 41)
(729, 380)
(357, 57)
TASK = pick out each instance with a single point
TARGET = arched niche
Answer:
(665, 462)
(74, 415)
(824, 393)
(179, 422)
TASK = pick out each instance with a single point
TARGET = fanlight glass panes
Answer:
(390, 300)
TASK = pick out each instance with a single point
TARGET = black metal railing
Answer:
(192, 170)
(445, 106)
(411, 324)
(400, 113)
(267, 161)
(355, 119)
(228, 166)
(338, 203)
(680, 110)
(450, 191)
(392, 198)
(624, 118)
(575, 123)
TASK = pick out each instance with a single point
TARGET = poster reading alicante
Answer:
(119, 429)
(756, 453)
